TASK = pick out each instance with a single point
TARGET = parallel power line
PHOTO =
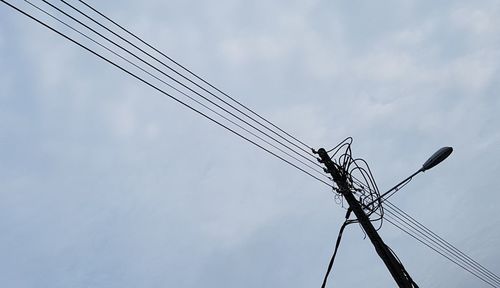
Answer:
(195, 75)
(239, 125)
(397, 217)
(170, 95)
(226, 110)
(427, 237)
(234, 113)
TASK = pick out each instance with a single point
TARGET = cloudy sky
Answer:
(104, 182)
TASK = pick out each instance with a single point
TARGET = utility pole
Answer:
(340, 177)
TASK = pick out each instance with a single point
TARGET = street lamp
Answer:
(434, 160)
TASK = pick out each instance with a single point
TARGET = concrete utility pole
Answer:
(340, 178)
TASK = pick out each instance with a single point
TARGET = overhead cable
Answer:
(186, 78)
(438, 241)
(399, 224)
(172, 78)
(160, 90)
(195, 75)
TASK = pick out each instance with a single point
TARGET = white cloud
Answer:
(2, 41)
(304, 120)
(474, 72)
(385, 66)
(479, 21)
(243, 51)
(123, 118)
(414, 36)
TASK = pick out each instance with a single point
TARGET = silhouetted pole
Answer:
(397, 271)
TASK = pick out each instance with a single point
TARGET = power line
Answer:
(170, 77)
(160, 90)
(444, 248)
(186, 78)
(394, 220)
(135, 65)
(174, 88)
(193, 74)
(439, 241)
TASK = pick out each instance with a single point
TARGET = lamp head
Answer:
(437, 158)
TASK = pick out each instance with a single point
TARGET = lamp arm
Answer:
(394, 188)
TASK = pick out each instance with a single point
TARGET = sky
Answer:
(104, 182)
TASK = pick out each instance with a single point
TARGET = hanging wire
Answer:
(364, 186)
(337, 244)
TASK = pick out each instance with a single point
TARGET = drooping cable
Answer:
(337, 244)
(364, 185)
